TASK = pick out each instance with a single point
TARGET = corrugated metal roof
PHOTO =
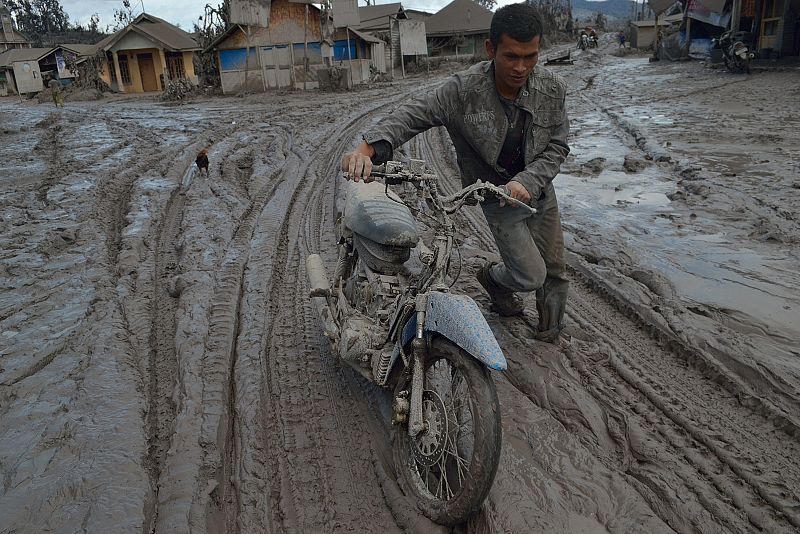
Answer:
(373, 17)
(459, 16)
(23, 54)
(168, 35)
(365, 36)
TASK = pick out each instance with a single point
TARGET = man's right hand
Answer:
(358, 163)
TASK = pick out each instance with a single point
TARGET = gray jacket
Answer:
(468, 105)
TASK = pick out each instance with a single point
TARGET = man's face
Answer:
(513, 62)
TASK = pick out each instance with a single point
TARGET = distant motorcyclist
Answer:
(583, 40)
(508, 123)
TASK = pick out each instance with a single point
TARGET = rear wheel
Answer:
(449, 468)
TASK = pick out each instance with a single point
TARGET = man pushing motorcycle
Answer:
(508, 123)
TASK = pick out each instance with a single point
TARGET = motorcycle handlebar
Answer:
(395, 173)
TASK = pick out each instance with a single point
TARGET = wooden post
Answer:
(736, 15)
(391, 51)
(246, 59)
(656, 42)
(688, 34)
(349, 55)
(305, 50)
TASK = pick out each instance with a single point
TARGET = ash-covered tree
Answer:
(213, 23)
(42, 21)
(123, 16)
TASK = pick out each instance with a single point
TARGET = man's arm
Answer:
(542, 170)
(410, 119)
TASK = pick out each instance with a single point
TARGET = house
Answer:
(382, 21)
(459, 28)
(19, 68)
(27, 70)
(9, 36)
(288, 54)
(145, 54)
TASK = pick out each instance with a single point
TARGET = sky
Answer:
(185, 12)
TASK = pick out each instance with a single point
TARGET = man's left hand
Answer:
(517, 191)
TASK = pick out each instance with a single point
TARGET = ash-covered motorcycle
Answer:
(389, 312)
(735, 50)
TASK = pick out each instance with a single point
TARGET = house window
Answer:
(175, 67)
(124, 71)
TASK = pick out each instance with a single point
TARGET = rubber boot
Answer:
(551, 302)
(506, 303)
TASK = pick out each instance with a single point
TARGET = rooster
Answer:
(202, 160)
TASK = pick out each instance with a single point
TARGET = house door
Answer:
(148, 72)
(276, 67)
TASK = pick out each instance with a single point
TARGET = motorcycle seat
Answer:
(370, 213)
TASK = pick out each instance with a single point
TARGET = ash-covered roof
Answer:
(377, 17)
(459, 16)
(168, 35)
(8, 57)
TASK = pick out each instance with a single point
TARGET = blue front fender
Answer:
(459, 319)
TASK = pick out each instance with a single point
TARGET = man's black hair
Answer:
(521, 22)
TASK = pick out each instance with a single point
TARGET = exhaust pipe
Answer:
(320, 294)
(317, 276)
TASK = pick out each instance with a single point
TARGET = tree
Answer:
(600, 21)
(212, 24)
(39, 20)
(124, 16)
(488, 4)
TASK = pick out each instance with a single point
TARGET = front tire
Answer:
(449, 468)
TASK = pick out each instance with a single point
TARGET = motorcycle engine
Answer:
(374, 297)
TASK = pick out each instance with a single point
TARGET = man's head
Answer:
(513, 44)
(521, 22)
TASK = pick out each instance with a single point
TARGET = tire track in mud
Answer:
(162, 364)
(197, 477)
(726, 439)
(149, 315)
(732, 484)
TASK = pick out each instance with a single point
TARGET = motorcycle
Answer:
(583, 42)
(592, 41)
(735, 51)
(394, 319)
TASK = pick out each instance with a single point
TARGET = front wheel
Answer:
(449, 468)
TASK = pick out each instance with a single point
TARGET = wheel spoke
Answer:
(446, 482)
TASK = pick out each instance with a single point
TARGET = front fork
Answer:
(419, 348)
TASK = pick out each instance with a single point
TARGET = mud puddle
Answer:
(682, 227)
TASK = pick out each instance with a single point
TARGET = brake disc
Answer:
(428, 445)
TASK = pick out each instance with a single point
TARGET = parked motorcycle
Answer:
(389, 312)
(735, 50)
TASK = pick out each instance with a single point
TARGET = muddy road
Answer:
(161, 369)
